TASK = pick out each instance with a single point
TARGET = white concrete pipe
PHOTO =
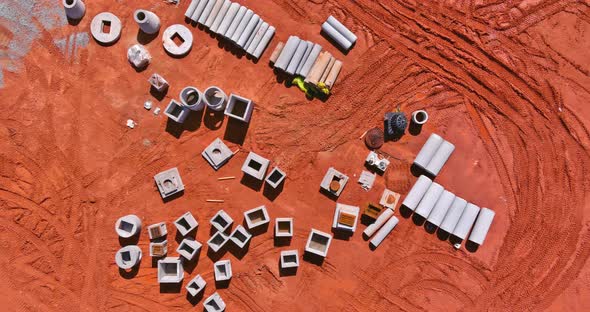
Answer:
(206, 12)
(440, 209)
(243, 23)
(327, 70)
(257, 37)
(277, 51)
(251, 35)
(333, 75)
(264, 42)
(428, 150)
(191, 8)
(192, 98)
(313, 56)
(453, 215)
(482, 226)
(466, 221)
(235, 22)
(337, 37)
(305, 56)
(148, 21)
(220, 16)
(297, 57)
(248, 30)
(318, 68)
(199, 10)
(75, 9)
(373, 227)
(384, 231)
(417, 192)
(287, 53)
(215, 98)
(214, 13)
(342, 29)
(419, 117)
(429, 200)
(228, 18)
(440, 158)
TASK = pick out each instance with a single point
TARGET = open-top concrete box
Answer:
(217, 154)
(255, 166)
(239, 108)
(196, 285)
(159, 249)
(158, 82)
(275, 177)
(214, 303)
(186, 223)
(240, 236)
(222, 270)
(128, 226)
(170, 270)
(256, 217)
(289, 259)
(176, 111)
(318, 243)
(345, 217)
(128, 257)
(157, 230)
(334, 181)
(217, 241)
(169, 182)
(221, 221)
(188, 248)
(284, 227)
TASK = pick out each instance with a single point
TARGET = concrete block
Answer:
(289, 259)
(228, 18)
(222, 270)
(138, 56)
(192, 98)
(214, 303)
(417, 192)
(430, 198)
(453, 215)
(215, 98)
(235, 22)
(75, 9)
(220, 15)
(176, 111)
(186, 223)
(264, 42)
(440, 209)
(466, 221)
(482, 226)
(248, 30)
(157, 230)
(318, 243)
(169, 182)
(106, 28)
(242, 25)
(158, 82)
(377, 162)
(284, 227)
(345, 217)
(199, 10)
(287, 53)
(188, 248)
(383, 217)
(275, 177)
(221, 221)
(128, 226)
(128, 257)
(214, 12)
(191, 8)
(334, 182)
(240, 236)
(239, 108)
(256, 217)
(389, 199)
(148, 21)
(313, 56)
(255, 166)
(196, 285)
(341, 29)
(158, 249)
(257, 36)
(217, 154)
(297, 57)
(170, 270)
(336, 37)
(217, 241)
(182, 35)
(384, 231)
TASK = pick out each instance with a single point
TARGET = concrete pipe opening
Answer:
(215, 98)
(192, 98)
(139, 16)
(420, 117)
(69, 3)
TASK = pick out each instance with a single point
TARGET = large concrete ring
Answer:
(168, 40)
(100, 21)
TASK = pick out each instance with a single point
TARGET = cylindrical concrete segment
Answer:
(192, 98)
(429, 200)
(248, 30)
(417, 192)
(199, 10)
(313, 56)
(453, 215)
(466, 221)
(318, 68)
(428, 150)
(383, 217)
(331, 79)
(327, 70)
(214, 13)
(297, 57)
(342, 29)
(251, 35)
(277, 51)
(287, 53)
(206, 12)
(228, 18)
(337, 37)
(191, 8)
(243, 23)
(305, 56)
(482, 226)
(440, 158)
(215, 98)
(384, 231)
(235, 22)
(257, 37)
(220, 16)
(440, 209)
(75, 9)
(148, 21)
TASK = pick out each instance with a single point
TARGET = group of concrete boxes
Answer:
(334, 182)
(339, 33)
(434, 154)
(345, 217)
(158, 246)
(169, 182)
(217, 154)
(256, 167)
(234, 22)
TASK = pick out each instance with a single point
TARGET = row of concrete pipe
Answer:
(234, 22)
(339, 33)
(434, 154)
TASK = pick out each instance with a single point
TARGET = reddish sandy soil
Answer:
(506, 81)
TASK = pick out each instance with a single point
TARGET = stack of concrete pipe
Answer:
(434, 154)
(338, 33)
(448, 212)
(298, 57)
(234, 22)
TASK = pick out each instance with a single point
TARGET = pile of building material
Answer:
(385, 221)
(234, 22)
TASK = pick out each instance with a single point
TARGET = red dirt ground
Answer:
(507, 82)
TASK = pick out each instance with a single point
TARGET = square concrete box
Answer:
(275, 177)
(255, 166)
(217, 154)
(195, 286)
(186, 223)
(239, 108)
(240, 236)
(169, 182)
(188, 248)
(217, 241)
(389, 199)
(345, 217)
(284, 227)
(256, 217)
(170, 270)
(158, 82)
(214, 303)
(176, 111)
(159, 249)
(222, 270)
(289, 259)
(334, 182)
(221, 221)
(157, 230)
(318, 243)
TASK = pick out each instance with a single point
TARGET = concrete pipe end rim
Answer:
(420, 117)
(69, 3)
(140, 16)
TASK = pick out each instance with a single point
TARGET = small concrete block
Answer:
(177, 40)
(170, 270)
(128, 257)
(289, 259)
(217, 241)
(186, 223)
(188, 248)
(176, 111)
(240, 236)
(214, 303)
(389, 199)
(158, 249)
(256, 217)
(318, 243)
(195, 286)
(128, 226)
(105, 28)
(345, 217)
(158, 82)
(222, 270)
(275, 177)
(284, 227)
(157, 230)
(221, 221)
(217, 154)
(255, 166)
(239, 108)
(169, 182)
(334, 182)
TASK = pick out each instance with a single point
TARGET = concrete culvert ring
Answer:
(419, 117)
(215, 98)
(192, 98)
(139, 16)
